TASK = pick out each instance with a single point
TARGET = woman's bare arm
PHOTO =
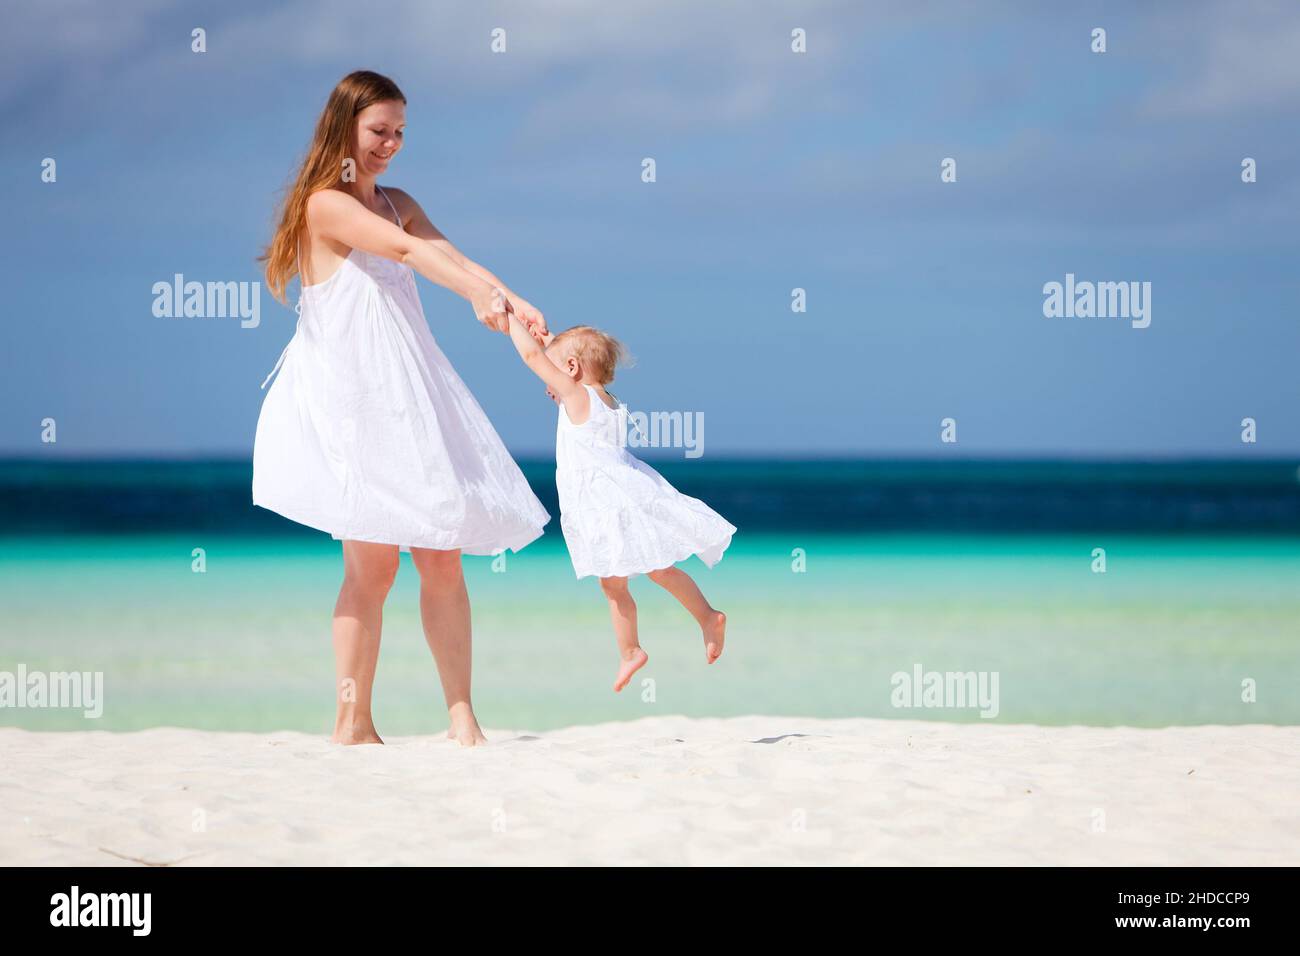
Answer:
(335, 215)
(419, 225)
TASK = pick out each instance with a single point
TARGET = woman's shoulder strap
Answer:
(383, 193)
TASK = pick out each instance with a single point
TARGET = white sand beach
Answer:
(666, 790)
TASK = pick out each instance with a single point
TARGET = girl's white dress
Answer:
(620, 517)
(368, 432)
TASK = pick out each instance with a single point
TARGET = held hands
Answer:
(528, 314)
(493, 305)
(540, 335)
(490, 309)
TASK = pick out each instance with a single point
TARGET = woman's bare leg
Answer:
(622, 611)
(712, 621)
(368, 573)
(444, 610)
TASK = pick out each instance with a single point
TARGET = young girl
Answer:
(619, 516)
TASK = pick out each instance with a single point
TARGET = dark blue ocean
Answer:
(140, 496)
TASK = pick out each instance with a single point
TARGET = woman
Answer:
(368, 432)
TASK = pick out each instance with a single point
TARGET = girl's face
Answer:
(380, 128)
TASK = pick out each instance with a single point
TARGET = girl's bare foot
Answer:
(629, 667)
(715, 635)
(464, 727)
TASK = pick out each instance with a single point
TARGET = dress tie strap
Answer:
(285, 351)
(624, 419)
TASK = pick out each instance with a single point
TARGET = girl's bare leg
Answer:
(712, 621)
(444, 611)
(368, 573)
(622, 611)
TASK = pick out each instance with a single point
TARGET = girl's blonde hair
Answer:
(322, 168)
(599, 353)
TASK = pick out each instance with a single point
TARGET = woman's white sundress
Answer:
(369, 434)
(619, 516)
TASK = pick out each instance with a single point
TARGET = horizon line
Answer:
(1168, 458)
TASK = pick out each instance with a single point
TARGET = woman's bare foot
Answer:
(715, 635)
(464, 726)
(467, 736)
(350, 734)
(629, 667)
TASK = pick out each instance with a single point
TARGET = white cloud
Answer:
(1229, 57)
(662, 53)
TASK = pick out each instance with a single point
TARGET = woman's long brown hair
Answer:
(321, 169)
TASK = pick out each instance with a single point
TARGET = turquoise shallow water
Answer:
(1165, 636)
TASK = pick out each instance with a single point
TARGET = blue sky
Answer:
(775, 171)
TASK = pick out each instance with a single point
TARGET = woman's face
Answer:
(380, 127)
